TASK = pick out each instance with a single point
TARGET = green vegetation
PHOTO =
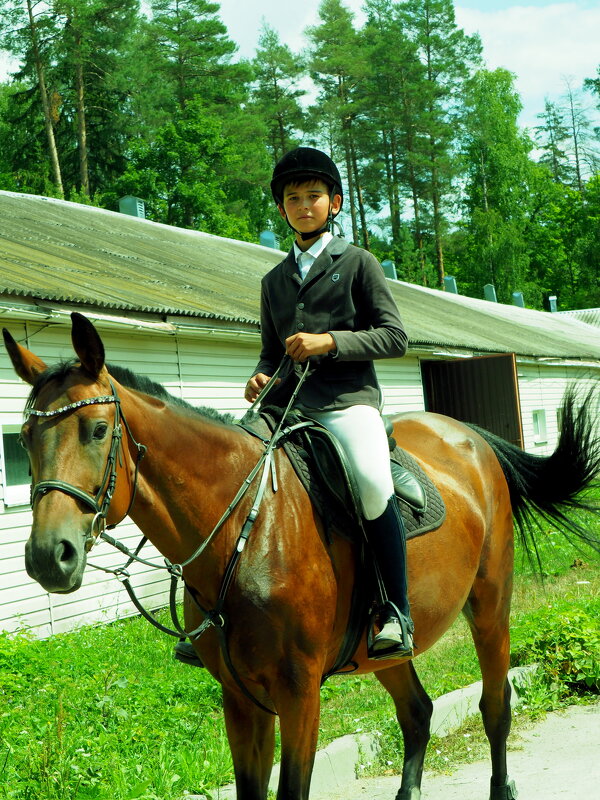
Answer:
(439, 175)
(105, 713)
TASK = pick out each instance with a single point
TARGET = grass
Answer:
(106, 714)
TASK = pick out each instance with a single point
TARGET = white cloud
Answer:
(542, 45)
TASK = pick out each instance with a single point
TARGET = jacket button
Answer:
(300, 326)
(300, 306)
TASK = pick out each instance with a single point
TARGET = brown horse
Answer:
(288, 603)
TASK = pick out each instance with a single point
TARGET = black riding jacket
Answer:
(346, 294)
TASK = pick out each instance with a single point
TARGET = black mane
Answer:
(131, 380)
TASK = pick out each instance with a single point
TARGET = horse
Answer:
(287, 604)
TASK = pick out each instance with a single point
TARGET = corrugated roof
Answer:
(591, 316)
(51, 250)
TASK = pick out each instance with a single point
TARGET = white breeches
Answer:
(361, 433)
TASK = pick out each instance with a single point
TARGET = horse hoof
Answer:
(506, 792)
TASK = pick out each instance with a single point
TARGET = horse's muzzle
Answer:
(57, 563)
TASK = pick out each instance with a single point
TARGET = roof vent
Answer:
(134, 206)
(517, 299)
(489, 293)
(450, 284)
(269, 239)
(389, 269)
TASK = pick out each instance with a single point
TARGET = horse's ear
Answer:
(87, 344)
(27, 365)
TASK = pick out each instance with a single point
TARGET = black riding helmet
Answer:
(302, 164)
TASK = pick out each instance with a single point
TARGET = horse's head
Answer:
(80, 469)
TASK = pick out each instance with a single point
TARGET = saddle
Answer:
(325, 472)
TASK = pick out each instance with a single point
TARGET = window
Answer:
(539, 426)
(15, 468)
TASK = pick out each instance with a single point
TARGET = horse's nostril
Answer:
(66, 555)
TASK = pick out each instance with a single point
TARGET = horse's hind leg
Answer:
(487, 611)
(251, 735)
(413, 710)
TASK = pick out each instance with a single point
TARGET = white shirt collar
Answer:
(306, 258)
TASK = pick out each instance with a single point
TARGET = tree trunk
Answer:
(84, 175)
(351, 198)
(45, 102)
(391, 184)
(358, 188)
(437, 225)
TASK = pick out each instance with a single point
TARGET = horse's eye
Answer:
(100, 431)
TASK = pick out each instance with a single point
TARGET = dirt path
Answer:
(558, 758)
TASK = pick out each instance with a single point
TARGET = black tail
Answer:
(553, 487)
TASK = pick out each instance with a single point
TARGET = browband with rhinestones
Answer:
(89, 401)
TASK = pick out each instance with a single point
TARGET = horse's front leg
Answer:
(250, 732)
(298, 702)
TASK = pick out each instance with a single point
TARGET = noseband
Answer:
(100, 502)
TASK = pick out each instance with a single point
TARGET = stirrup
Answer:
(400, 631)
(184, 652)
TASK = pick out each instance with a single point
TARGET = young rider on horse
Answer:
(329, 301)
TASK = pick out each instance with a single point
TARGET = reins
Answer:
(213, 617)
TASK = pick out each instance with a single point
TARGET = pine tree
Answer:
(584, 151)
(448, 56)
(93, 67)
(391, 100)
(191, 53)
(496, 155)
(275, 96)
(336, 67)
(552, 136)
(30, 33)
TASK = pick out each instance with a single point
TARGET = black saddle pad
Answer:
(323, 469)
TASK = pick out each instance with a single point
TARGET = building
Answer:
(182, 307)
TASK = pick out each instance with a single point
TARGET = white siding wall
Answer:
(204, 371)
(400, 380)
(541, 389)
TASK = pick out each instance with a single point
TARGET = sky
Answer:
(542, 43)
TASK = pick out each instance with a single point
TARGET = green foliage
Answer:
(563, 638)
(107, 714)
(276, 95)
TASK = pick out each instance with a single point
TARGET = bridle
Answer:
(100, 502)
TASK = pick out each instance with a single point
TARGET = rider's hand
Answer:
(255, 386)
(301, 346)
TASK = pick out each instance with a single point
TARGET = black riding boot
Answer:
(387, 538)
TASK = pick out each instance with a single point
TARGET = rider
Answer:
(329, 300)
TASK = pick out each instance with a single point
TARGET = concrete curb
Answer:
(336, 765)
